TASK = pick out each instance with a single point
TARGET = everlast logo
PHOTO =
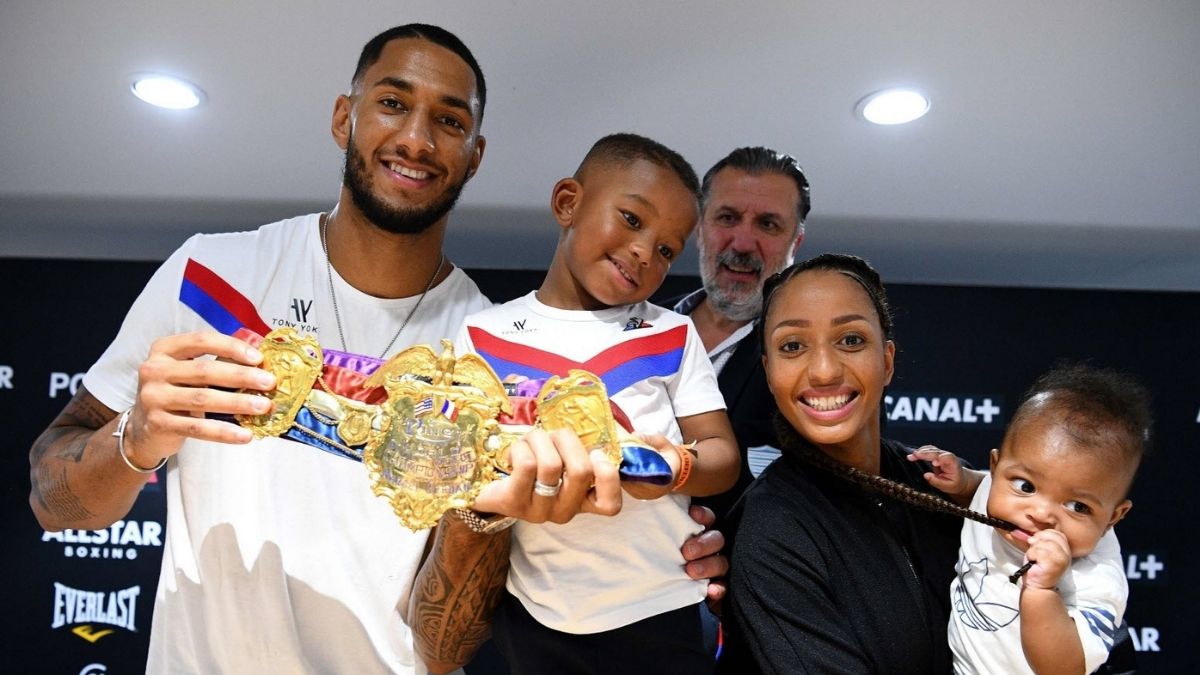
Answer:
(917, 410)
(111, 608)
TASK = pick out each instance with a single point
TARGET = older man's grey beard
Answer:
(738, 301)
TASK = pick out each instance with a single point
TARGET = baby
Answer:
(1061, 476)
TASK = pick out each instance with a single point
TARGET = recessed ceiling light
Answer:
(893, 106)
(167, 92)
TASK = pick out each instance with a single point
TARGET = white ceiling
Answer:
(1062, 148)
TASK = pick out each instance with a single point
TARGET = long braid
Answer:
(884, 486)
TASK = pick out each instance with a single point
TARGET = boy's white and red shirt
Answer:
(985, 622)
(598, 573)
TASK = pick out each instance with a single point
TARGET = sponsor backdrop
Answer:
(81, 601)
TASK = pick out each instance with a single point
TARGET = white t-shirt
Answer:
(985, 628)
(278, 558)
(597, 573)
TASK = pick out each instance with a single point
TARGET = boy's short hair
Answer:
(1100, 408)
(626, 148)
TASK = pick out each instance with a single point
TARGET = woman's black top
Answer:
(829, 577)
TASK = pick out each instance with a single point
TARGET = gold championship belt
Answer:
(436, 440)
(441, 442)
(295, 361)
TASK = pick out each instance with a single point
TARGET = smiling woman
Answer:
(827, 576)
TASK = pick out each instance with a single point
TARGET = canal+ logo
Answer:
(926, 410)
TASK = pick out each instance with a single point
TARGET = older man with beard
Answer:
(754, 202)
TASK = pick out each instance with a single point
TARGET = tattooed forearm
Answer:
(456, 593)
(84, 411)
(60, 442)
(69, 432)
(56, 496)
(59, 470)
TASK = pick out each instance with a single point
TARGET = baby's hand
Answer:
(1050, 555)
(666, 448)
(948, 475)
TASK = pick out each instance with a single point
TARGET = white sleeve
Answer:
(695, 389)
(113, 379)
(1101, 592)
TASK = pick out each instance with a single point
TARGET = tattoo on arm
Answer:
(65, 439)
(69, 432)
(456, 606)
(56, 496)
(63, 443)
(85, 412)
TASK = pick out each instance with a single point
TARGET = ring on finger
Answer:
(545, 489)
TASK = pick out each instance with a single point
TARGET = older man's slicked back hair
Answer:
(757, 161)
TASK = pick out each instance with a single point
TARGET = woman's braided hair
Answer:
(793, 442)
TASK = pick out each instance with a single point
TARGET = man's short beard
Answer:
(740, 308)
(743, 302)
(385, 216)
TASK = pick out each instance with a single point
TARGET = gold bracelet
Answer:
(120, 436)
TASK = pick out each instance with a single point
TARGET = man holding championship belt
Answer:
(278, 558)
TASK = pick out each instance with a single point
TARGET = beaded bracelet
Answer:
(120, 436)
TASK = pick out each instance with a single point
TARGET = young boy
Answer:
(1062, 476)
(610, 594)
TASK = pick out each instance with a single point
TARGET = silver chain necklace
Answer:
(333, 296)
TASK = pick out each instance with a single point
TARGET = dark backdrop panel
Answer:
(965, 355)
(65, 314)
(981, 348)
